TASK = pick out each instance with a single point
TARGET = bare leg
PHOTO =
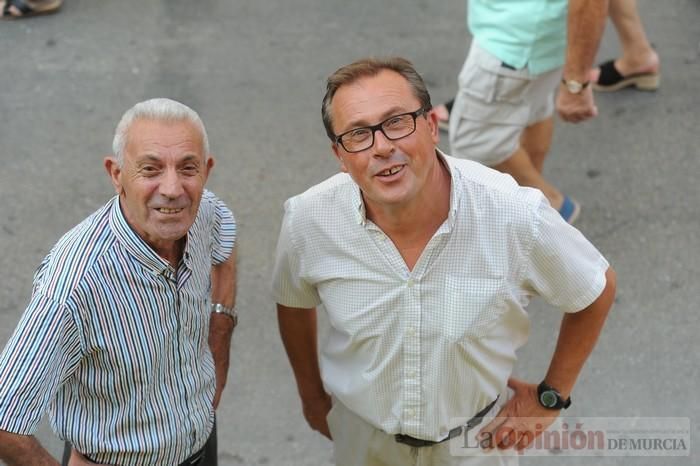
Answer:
(637, 54)
(536, 140)
(520, 167)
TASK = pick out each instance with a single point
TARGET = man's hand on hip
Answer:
(519, 421)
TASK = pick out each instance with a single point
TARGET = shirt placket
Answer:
(186, 349)
(182, 351)
(413, 401)
(412, 398)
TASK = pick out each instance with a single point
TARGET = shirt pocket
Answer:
(472, 306)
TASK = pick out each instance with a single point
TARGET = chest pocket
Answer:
(472, 305)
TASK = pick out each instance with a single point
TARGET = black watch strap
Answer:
(550, 398)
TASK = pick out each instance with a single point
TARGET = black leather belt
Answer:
(469, 425)
(195, 459)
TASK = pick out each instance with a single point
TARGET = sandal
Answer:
(610, 79)
(16, 9)
(569, 210)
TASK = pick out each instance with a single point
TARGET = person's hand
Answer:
(575, 108)
(76, 459)
(220, 331)
(316, 410)
(519, 421)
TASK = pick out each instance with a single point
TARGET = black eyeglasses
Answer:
(393, 128)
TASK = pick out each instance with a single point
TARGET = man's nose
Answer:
(382, 145)
(171, 184)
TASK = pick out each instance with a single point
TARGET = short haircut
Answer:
(159, 109)
(368, 67)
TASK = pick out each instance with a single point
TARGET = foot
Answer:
(569, 209)
(15, 9)
(629, 65)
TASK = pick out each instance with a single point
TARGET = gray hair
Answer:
(369, 67)
(156, 109)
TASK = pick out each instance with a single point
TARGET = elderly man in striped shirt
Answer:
(126, 338)
(424, 264)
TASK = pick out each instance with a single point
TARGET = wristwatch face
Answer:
(548, 399)
(574, 86)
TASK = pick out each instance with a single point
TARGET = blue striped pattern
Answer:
(114, 342)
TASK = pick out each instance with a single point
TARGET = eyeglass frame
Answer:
(379, 126)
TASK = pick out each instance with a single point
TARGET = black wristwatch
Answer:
(550, 398)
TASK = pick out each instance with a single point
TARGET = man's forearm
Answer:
(223, 291)
(585, 25)
(298, 329)
(23, 450)
(577, 337)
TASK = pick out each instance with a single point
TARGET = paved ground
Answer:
(255, 70)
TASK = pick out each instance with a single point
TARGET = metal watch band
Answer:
(229, 312)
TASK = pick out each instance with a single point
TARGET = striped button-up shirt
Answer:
(411, 350)
(114, 341)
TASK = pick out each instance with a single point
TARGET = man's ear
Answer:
(209, 165)
(432, 119)
(115, 172)
(336, 152)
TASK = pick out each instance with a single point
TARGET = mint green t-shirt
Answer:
(521, 33)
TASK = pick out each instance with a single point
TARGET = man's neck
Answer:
(423, 215)
(171, 252)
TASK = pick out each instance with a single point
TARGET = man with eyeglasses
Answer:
(424, 264)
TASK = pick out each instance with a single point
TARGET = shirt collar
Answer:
(455, 193)
(135, 245)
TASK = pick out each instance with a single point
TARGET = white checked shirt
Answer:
(409, 350)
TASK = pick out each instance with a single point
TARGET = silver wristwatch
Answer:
(230, 312)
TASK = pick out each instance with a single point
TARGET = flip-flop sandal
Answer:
(23, 10)
(569, 210)
(610, 79)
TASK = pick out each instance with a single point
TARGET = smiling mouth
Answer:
(391, 171)
(166, 210)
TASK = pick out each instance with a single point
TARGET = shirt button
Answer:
(411, 373)
(410, 331)
(410, 283)
(410, 412)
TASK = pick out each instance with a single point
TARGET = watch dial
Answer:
(548, 399)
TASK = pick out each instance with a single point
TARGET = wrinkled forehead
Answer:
(181, 134)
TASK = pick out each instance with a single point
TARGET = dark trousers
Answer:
(210, 452)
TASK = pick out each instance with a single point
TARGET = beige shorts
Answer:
(494, 104)
(358, 443)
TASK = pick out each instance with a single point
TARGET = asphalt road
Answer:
(255, 71)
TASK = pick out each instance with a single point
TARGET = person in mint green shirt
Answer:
(503, 114)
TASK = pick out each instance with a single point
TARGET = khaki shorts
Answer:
(357, 443)
(494, 104)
